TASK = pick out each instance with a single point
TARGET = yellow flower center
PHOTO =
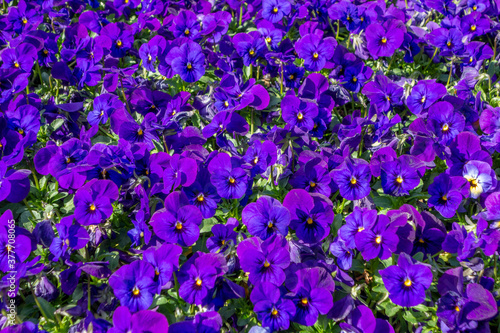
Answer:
(68, 160)
(422, 100)
(304, 301)
(312, 184)
(310, 221)
(226, 104)
(421, 240)
(384, 40)
(223, 242)
(16, 64)
(140, 132)
(126, 1)
(449, 44)
(189, 65)
(92, 207)
(473, 183)
(457, 308)
(399, 180)
(315, 55)
(186, 32)
(200, 198)
(266, 264)
(408, 282)
(444, 198)
(354, 79)
(178, 225)
(141, 234)
(270, 225)
(232, 180)
(378, 239)
(136, 291)
(388, 98)
(291, 77)
(275, 10)
(354, 181)
(149, 57)
(474, 7)
(198, 282)
(157, 272)
(25, 20)
(471, 59)
(445, 128)
(268, 39)
(361, 229)
(20, 131)
(256, 160)
(45, 52)
(119, 43)
(251, 52)
(473, 28)
(361, 18)
(274, 312)
(300, 116)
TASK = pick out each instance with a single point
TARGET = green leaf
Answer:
(47, 308)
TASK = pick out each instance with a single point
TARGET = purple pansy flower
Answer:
(266, 217)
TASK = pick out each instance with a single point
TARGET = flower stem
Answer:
(432, 58)
(449, 76)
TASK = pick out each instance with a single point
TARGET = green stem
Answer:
(38, 71)
(281, 83)
(390, 64)
(251, 124)
(430, 61)
(449, 76)
(35, 178)
(29, 208)
(241, 13)
(338, 29)
(36, 300)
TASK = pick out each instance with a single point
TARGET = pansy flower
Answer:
(178, 222)
(273, 310)
(141, 230)
(380, 240)
(311, 215)
(383, 93)
(447, 193)
(266, 217)
(274, 10)
(444, 122)
(361, 319)
(313, 176)
(165, 260)
(134, 285)
(359, 220)
(353, 179)
(407, 282)
(265, 260)
(93, 202)
(104, 105)
(228, 176)
(315, 51)
(71, 236)
(249, 46)
(185, 25)
(383, 40)
(298, 113)
(223, 236)
(424, 94)
(398, 177)
(141, 321)
(188, 61)
(479, 176)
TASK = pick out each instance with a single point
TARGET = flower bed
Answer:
(249, 166)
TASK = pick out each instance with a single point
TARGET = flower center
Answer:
(457, 308)
(300, 116)
(232, 180)
(270, 224)
(198, 282)
(189, 65)
(226, 104)
(200, 198)
(399, 180)
(149, 57)
(354, 79)
(255, 160)
(186, 32)
(68, 160)
(178, 225)
(384, 40)
(304, 301)
(473, 183)
(92, 207)
(445, 128)
(444, 198)
(310, 221)
(16, 64)
(140, 132)
(361, 229)
(473, 27)
(223, 241)
(388, 98)
(408, 282)
(315, 55)
(378, 239)
(136, 291)
(268, 39)
(274, 312)
(421, 240)
(141, 234)
(361, 18)
(471, 59)
(119, 43)
(266, 264)
(45, 52)
(449, 44)
(422, 100)
(251, 52)
(312, 184)
(474, 7)
(157, 272)
(275, 10)
(354, 181)
(25, 20)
